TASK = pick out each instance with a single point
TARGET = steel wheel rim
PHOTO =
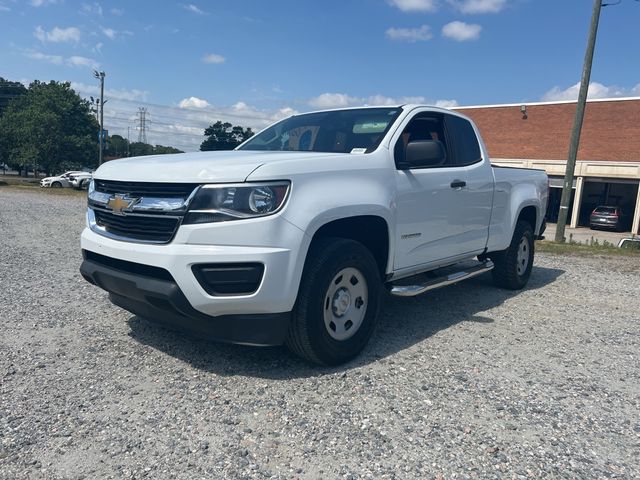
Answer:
(345, 304)
(523, 256)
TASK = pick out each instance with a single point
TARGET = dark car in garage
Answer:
(608, 217)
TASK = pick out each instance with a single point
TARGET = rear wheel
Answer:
(512, 267)
(338, 302)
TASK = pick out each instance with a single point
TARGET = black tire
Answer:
(56, 185)
(309, 335)
(84, 184)
(512, 267)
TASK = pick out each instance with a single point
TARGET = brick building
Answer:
(536, 135)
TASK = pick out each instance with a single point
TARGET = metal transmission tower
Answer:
(142, 124)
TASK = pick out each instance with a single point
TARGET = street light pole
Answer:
(100, 76)
(567, 185)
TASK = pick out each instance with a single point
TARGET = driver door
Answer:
(431, 200)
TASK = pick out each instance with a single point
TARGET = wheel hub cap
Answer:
(523, 256)
(345, 303)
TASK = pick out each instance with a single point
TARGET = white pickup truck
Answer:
(293, 236)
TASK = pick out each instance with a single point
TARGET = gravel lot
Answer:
(464, 382)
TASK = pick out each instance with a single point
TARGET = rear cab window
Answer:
(465, 146)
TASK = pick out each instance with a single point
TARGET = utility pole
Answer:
(567, 186)
(100, 76)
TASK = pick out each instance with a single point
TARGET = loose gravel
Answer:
(464, 382)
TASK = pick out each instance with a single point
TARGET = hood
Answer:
(197, 167)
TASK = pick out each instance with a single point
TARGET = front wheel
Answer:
(338, 302)
(56, 185)
(512, 267)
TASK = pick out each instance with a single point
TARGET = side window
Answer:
(424, 126)
(464, 141)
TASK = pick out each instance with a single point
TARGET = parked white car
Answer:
(292, 237)
(59, 181)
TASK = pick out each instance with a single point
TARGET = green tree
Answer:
(137, 149)
(161, 150)
(224, 136)
(9, 91)
(50, 126)
(117, 146)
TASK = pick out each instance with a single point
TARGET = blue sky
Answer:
(253, 61)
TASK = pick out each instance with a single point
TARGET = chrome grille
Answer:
(146, 189)
(138, 227)
(138, 211)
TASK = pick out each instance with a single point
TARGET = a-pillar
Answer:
(577, 202)
(636, 215)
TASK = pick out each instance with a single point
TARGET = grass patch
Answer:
(585, 249)
(26, 187)
(14, 180)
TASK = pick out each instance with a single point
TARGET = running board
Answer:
(413, 290)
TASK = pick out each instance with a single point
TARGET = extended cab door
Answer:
(443, 209)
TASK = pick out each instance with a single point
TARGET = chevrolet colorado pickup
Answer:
(293, 236)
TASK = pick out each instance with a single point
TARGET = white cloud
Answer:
(57, 35)
(73, 61)
(383, 100)
(41, 3)
(478, 6)
(446, 103)
(184, 127)
(415, 5)
(55, 59)
(116, 94)
(91, 9)
(410, 35)
(98, 47)
(332, 100)
(461, 31)
(213, 58)
(341, 100)
(193, 102)
(109, 32)
(596, 90)
(113, 34)
(77, 61)
(193, 9)
(283, 113)
(4, 8)
(118, 12)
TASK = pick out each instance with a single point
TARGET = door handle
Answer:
(458, 184)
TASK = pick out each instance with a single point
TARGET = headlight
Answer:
(221, 203)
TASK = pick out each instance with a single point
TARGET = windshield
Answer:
(357, 130)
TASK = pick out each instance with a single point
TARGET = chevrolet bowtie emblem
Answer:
(119, 203)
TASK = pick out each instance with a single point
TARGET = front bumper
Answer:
(266, 240)
(158, 298)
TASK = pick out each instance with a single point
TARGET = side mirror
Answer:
(423, 154)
